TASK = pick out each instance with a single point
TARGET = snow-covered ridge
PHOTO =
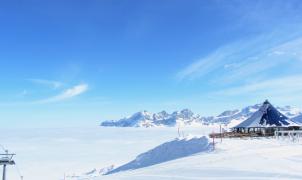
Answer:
(298, 118)
(187, 117)
(168, 151)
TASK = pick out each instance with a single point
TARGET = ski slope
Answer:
(232, 159)
(175, 149)
(87, 153)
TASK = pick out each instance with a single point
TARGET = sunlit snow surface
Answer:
(46, 154)
(168, 151)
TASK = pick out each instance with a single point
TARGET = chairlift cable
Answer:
(19, 172)
(2, 147)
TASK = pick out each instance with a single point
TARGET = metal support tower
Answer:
(6, 159)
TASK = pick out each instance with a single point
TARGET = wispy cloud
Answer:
(246, 58)
(277, 86)
(282, 90)
(49, 83)
(67, 94)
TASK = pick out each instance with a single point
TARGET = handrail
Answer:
(293, 131)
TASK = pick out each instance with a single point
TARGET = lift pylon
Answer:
(6, 159)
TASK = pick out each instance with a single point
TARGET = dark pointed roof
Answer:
(267, 116)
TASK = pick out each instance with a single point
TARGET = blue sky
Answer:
(74, 63)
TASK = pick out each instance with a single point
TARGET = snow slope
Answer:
(85, 153)
(178, 148)
(244, 159)
(298, 118)
(46, 154)
(187, 117)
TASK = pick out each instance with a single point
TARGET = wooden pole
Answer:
(213, 141)
(4, 172)
(220, 134)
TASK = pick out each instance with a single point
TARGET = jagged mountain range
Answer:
(187, 117)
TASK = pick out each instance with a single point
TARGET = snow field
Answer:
(46, 154)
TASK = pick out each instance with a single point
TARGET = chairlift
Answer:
(6, 159)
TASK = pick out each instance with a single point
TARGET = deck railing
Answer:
(293, 134)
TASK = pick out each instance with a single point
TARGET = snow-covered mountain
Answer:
(187, 117)
(298, 118)
(147, 119)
